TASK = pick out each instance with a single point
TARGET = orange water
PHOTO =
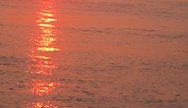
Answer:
(93, 54)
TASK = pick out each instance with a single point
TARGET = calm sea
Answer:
(93, 53)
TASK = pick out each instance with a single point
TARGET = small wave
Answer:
(11, 60)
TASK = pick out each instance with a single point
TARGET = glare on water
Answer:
(93, 53)
(41, 54)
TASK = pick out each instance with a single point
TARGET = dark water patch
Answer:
(92, 68)
(141, 32)
(185, 52)
(2, 44)
(151, 101)
(2, 72)
(139, 29)
(154, 67)
(7, 6)
(84, 92)
(109, 30)
(92, 30)
(173, 36)
(157, 9)
(161, 103)
(67, 80)
(1, 25)
(11, 60)
(98, 63)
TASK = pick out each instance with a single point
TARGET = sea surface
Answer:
(93, 54)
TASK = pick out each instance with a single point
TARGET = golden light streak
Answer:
(43, 87)
(48, 49)
(46, 13)
(45, 42)
(42, 65)
(45, 23)
(42, 59)
(47, 104)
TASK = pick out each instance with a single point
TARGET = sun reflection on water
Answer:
(41, 87)
(42, 105)
(44, 43)
(43, 60)
(42, 65)
(48, 29)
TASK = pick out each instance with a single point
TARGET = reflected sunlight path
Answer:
(42, 55)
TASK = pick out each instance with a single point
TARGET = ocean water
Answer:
(93, 53)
